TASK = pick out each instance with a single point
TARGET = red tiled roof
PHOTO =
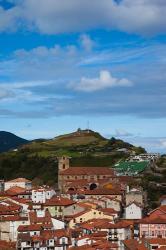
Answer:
(14, 218)
(15, 191)
(88, 171)
(103, 191)
(78, 214)
(161, 208)
(121, 224)
(133, 244)
(109, 210)
(59, 201)
(85, 247)
(21, 200)
(4, 245)
(160, 241)
(157, 220)
(10, 209)
(96, 223)
(47, 234)
(27, 228)
(44, 221)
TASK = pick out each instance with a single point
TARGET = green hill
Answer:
(9, 141)
(38, 159)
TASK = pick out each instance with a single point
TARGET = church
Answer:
(73, 178)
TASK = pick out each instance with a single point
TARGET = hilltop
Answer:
(38, 159)
(9, 141)
(78, 143)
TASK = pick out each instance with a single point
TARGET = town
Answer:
(92, 208)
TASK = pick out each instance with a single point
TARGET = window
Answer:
(143, 233)
(152, 233)
(63, 241)
(64, 166)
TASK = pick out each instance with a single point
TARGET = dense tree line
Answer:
(20, 164)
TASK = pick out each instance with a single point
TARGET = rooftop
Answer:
(88, 171)
(19, 180)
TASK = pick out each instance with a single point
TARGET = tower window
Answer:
(64, 166)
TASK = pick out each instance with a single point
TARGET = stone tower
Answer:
(63, 164)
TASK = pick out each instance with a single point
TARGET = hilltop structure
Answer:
(87, 177)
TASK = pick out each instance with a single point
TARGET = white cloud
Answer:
(60, 16)
(105, 80)
(86, 42)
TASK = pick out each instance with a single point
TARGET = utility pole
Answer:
(88, 126)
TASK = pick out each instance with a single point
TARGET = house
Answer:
(33, 229)
(111, 202)
(8, 208)
(19, 182)
(9, 226)
(41, 217)
(133, 211)
(40, 195)
(87, 215)
(95, 225)
(19, 192)
(47, 239)
(120, 231)
(154, 227)
(67, 174)
(134, 194)
(56, 205)
(145, 157)
(20, 206)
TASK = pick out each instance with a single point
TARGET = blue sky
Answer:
(64, 63)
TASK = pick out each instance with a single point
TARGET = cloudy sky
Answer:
(64, 64)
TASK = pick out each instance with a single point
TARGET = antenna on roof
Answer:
(88, 126)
